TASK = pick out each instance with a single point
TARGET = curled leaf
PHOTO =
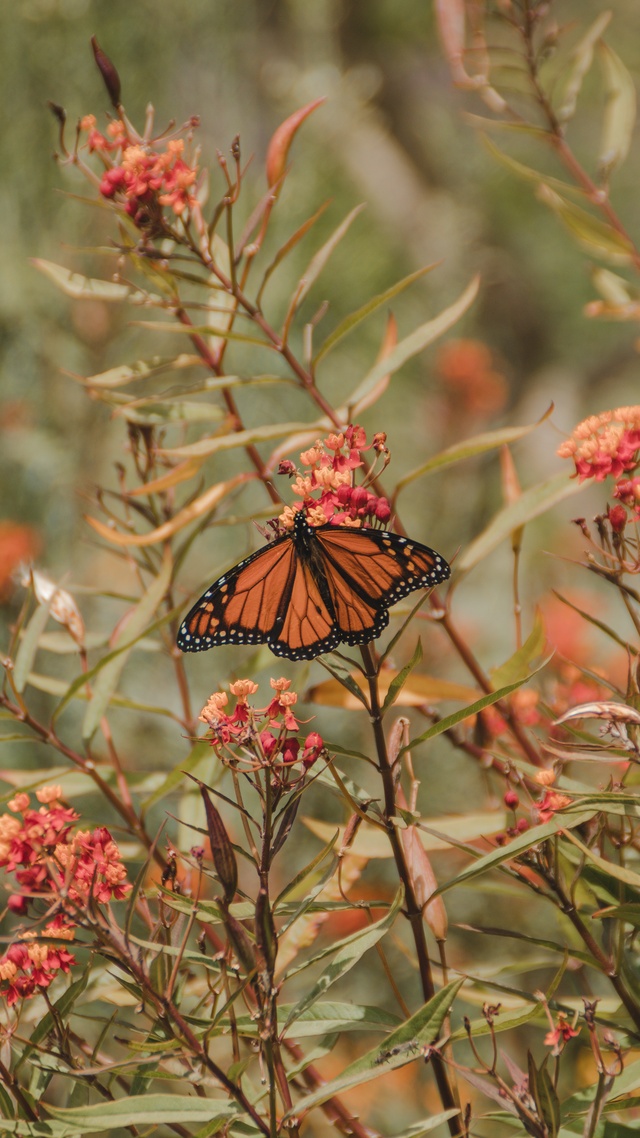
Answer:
(281, 140)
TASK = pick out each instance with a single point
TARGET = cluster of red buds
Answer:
(325, 482)
(256, 738)
(538, 810)
(608, 445)
(66, 869)
(144, 175)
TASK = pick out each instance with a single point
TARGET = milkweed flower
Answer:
(326, 487)
(605, 444)
(251, 738)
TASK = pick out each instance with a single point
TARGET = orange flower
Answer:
(18, 543)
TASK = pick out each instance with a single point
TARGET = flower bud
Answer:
(343, 494)
(617, 518)
(511, 799)
(109, 74)
(290, 750)
(383, 510)
(313, 746)
(287, 467)
(359, 497)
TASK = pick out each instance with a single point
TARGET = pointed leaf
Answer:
(281, 139)
(531, 504)
(423, 336)
(318, 262)
(467, 712)
(417, 690)
(370, 842)
(29, 645)
(144, 1110)
(107, 680)
(398, 682)
(619, 111)
(532, 837)
(349, 953)
(82, 288)
(399, 1048)
(350, 322)
(596, 236)
(479, 444)
(196, 509)
(517, 667)
(581, 60)
(206, 447)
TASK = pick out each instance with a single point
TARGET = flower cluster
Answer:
(471, 379)
(30, 967)
(607, 444)
(66, 869)
(260, 737)
(325, 484)
(140, 176)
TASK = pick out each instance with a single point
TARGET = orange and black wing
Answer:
(367, 571)
(247, 605)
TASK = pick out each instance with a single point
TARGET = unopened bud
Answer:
(109, 74)
(511, 799)
(617, 518)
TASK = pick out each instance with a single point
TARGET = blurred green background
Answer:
(392, 134)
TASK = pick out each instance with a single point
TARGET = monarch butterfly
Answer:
(310, 590)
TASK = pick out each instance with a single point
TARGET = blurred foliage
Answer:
(394, 134)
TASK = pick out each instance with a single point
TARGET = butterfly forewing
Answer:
(242, 606)
(381, 567)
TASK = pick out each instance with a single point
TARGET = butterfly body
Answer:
(310, 590)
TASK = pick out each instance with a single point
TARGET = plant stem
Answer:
(413, 910)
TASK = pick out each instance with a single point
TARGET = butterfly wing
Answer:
(367, 571)
(309, 626)
(245, 605)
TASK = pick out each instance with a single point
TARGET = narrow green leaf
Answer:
(596, 236)
(327, 1016)
(83, 288)
(479, 444)
(350, 322)
(619, 111)
(517, 667)
(319, 260)
(531, 175)
(581, 60)
(288, 246)
(342, 674)
(206, 447)
(609, 868)
(349, 952)
(108, 677)
(418, 340)
(427, 1124)
(466, 712)
(399, 1048)
(532, 837)
(144, 1110)
(398, 682)
(200, 751)
(531, 504)
(29, 646)
(302, 874)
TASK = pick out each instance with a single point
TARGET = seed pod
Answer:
(224, 858)
(109, 74)
(240, 942)
(266, 938)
